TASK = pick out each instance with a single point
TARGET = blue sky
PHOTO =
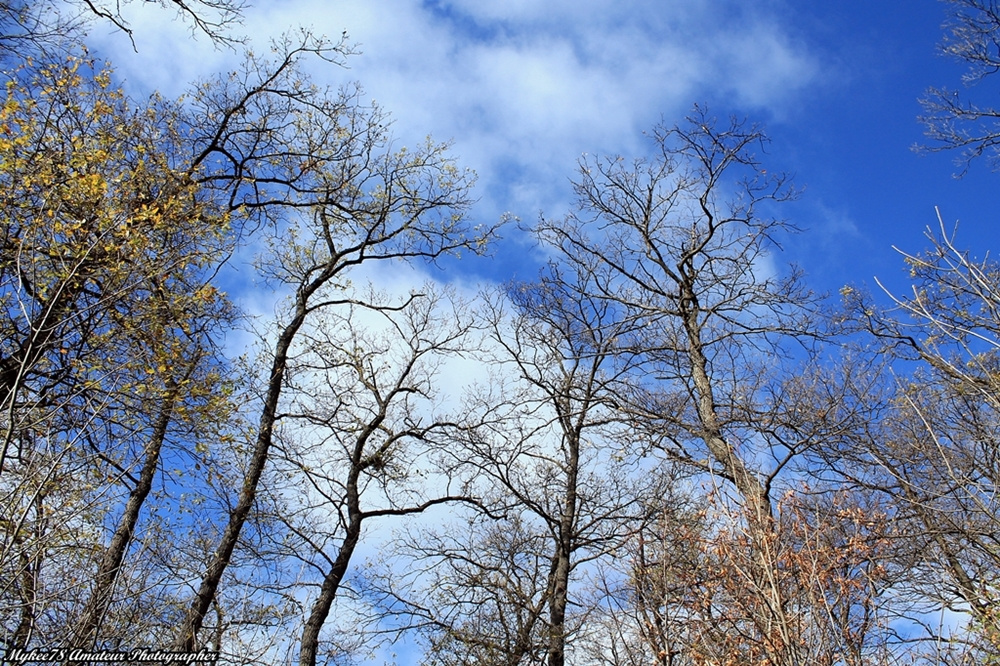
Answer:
(524, 87)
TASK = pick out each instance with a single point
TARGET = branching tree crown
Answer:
(968, 121)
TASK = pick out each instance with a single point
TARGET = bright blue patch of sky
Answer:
(461, 23)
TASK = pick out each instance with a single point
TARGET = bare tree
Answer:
(361, 433)
(681, 247)
(44, 25)
(689, 267)
(563, 349)
(277, 148)
(934, 449)
(540, 457)
(967, 120)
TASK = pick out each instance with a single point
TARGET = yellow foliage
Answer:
(106, 233)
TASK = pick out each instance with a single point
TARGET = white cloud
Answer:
(765, 67)
(527, 87)
(522, 87)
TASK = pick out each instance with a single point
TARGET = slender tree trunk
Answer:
(328, 592)
(28, 592)
(331, 582)
(187, 634)
(30, 569)
(561, 559)
(759, 514)
(86, 631)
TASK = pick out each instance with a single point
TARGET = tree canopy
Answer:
(663, 448)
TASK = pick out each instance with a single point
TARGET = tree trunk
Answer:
(187, 635)
(331, 583)
(561, 559)
(758, 512)
(85, 633)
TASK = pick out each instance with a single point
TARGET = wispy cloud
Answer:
(524, 87)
